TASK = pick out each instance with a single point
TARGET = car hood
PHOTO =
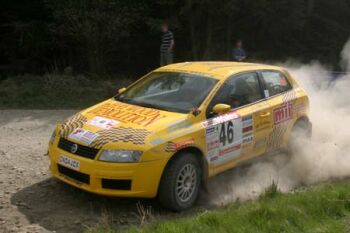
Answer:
(113, 121)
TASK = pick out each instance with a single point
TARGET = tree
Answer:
(94, 27)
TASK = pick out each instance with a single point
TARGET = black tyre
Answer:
(180, 182)
(300, 134)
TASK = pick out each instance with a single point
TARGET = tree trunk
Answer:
(228, 37)
(194, 42)
(208, 41)
(310, 7)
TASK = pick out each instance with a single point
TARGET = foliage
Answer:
(94, 28)
(57, 91)
(109, 36)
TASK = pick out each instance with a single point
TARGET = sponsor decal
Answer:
(102, 122)
(247, 139)
(229, 150)
(247, 124)
(275, 139)
(72, 128)
(247, 121)
(247, 130)
(174, 146)
(227, 136)
(213, 145)
(210, 131)
(281, 117)
(283, 113)
(83, 136)
(128, 113)
(75, 121)
(120, 134)
(220, 119)
(289, 96)
(299, 109)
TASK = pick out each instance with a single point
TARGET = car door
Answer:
(281, 98)
(231, 136)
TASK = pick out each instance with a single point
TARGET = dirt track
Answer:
(32, 201)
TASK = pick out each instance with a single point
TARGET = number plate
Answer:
(69, 162)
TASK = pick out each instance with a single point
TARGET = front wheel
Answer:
(180, 182)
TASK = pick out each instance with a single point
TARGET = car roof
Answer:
(217, 69)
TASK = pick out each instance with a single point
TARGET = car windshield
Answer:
(169, 91)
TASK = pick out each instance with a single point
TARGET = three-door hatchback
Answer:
(168, 132)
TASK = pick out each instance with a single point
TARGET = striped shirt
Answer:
(167, 37)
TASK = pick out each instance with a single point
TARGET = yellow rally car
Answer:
(168, 132)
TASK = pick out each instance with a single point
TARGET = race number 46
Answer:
(226, 133)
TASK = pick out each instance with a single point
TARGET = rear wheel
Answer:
(301, 133)
(180, 182)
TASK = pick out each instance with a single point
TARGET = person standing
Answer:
(166, 46)
(238, 52)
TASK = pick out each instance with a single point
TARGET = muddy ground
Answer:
(32, 201)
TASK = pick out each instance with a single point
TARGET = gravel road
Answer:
(32, 201)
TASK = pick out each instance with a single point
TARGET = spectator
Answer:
(166, 46)
(238, 52)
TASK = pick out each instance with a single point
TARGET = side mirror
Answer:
(221, 108)
(121, 90)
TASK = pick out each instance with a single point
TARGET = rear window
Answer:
(275, 83)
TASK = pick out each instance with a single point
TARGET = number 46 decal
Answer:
(226, 133)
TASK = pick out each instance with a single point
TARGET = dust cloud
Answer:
(325, 157)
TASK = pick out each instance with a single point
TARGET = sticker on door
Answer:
(225, 139)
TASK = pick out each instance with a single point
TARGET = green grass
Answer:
(323, 208)
(53, 91)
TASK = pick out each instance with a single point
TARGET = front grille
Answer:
(83, 151)
(116, 184)
(82, 177)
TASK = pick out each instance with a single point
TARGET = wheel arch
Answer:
(304, 119)
(199, 154)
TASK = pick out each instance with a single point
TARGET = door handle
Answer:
(265, 114)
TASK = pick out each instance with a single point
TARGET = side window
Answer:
(238, 91)
(275, 82)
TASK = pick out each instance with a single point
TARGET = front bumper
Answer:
(111, 179)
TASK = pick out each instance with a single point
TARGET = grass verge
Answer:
(323, 208)
(53, 91)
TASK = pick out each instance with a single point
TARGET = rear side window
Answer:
(238, 91)
(275, 83)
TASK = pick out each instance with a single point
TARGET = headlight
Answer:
(53, 136)
(120, 156)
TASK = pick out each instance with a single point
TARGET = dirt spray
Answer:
(325, 157)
